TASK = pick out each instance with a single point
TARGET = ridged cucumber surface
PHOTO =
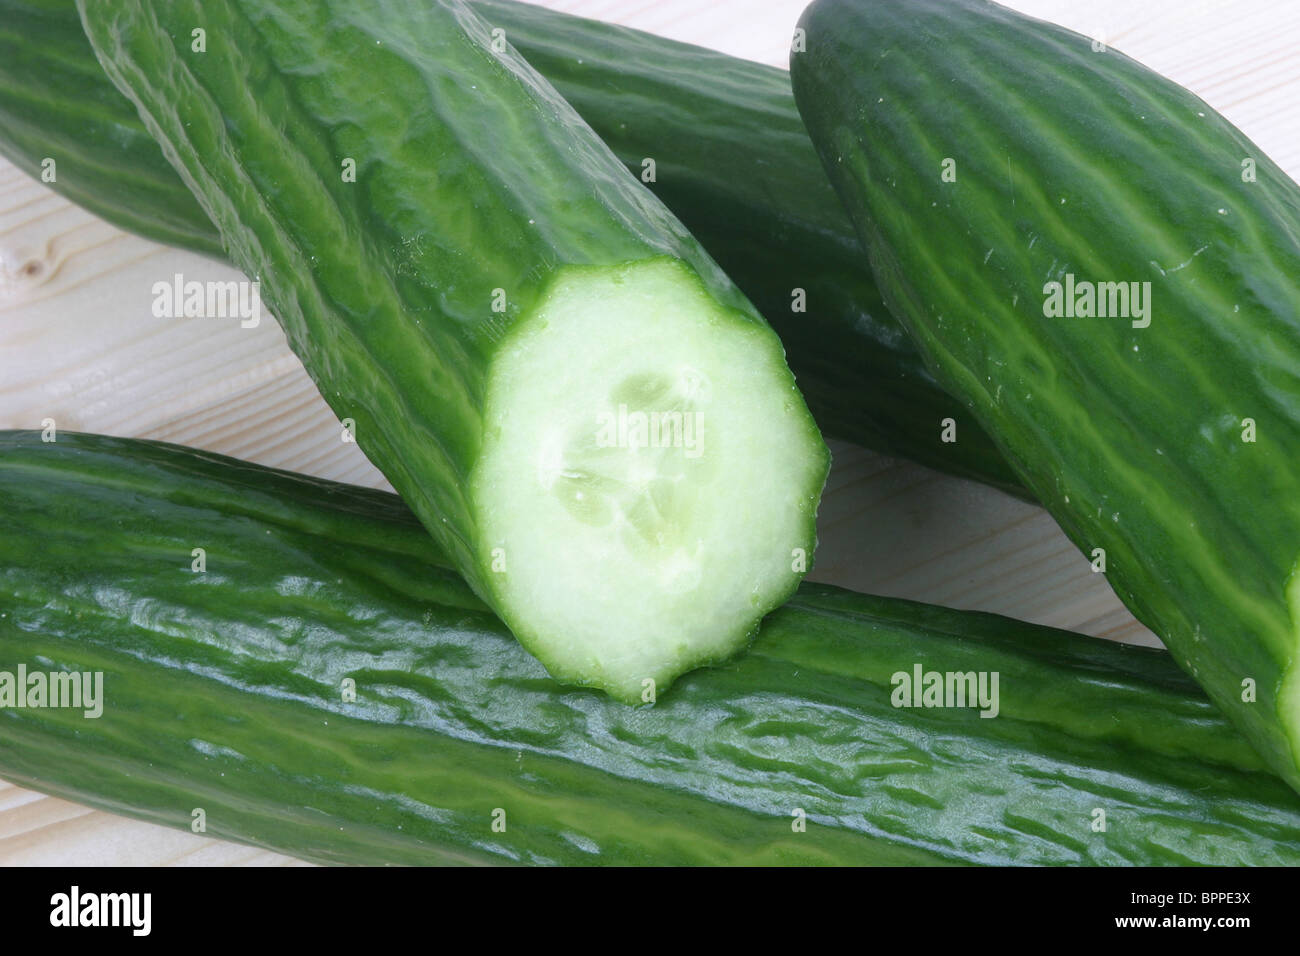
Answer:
(732, 160)
(592, 421)
(321, 684)
(1161, 432)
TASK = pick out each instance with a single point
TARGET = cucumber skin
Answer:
(1131, 438)
(223, 691)
(474, 177)
(734, 163)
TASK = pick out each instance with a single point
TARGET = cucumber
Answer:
(226, 690)
(1162, 440)
(591, 420)
(732, 161)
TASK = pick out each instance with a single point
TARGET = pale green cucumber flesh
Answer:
(634, 487)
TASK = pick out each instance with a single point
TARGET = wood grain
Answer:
(79, 344)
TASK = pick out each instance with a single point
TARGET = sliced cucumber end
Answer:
(648, 483)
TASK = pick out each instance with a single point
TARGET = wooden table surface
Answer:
(78, 343)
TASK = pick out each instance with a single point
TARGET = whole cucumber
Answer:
(1109, 273)
(316, 681)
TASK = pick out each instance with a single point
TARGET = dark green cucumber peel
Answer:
(224, 691)
(733, 162)
(1073, 162)
(490, 289)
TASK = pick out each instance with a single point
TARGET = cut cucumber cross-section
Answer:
(503, 310)
(659, 492)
